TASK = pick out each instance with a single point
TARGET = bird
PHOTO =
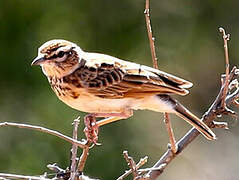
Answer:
(108, 87)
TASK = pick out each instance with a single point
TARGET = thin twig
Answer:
(131, 164)
(170, 132)
(225, 39)
(54, 167)
(221, 101)
(236, 103)
(74, 149)
(16, 176)
(59, 172)
(208, 117)
(45, 130)
(83, 157)
(150, 35)
(222, 125)
(141, 162)
(151, 169)
(155, 65)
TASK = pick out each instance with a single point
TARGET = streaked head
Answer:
(58, 57)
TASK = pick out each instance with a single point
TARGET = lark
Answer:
(111, 88)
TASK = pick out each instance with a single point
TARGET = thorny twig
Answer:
(141, 162)
(208, 118)
(150, 35)
(45, 130)
(222, 125)
(17, 176)
(168, 124)
(138, 174)
(225, 39)
(59, 172)
(220, 101)
(131, 164)
(155, 65)
(75, 144)
(217, 108)
(54, 167)
(83, 158)
(74, 149)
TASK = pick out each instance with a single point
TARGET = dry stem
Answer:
(134, 168)
(150, 35)
(131, 164)
(168, 124)
(74, 149)
(208, 118)
(16, 176)
(141, 162)
(45, 130)
(225, 39)
(83, 158)
(155, 65)
(217, 108)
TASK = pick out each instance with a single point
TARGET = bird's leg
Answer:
(92, 126)
(172, 141)
(112, 117)
(91, 129)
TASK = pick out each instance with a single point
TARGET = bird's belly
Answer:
(83, 101)
(94, 104)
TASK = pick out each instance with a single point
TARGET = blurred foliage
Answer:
(188, 44)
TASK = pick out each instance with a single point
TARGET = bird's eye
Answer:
(61, 54)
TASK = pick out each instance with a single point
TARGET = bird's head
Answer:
(58, 57)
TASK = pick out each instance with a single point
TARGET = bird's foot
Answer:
(91, 128)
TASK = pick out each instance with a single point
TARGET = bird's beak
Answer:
(38, 61)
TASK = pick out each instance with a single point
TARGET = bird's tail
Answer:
(182, 112)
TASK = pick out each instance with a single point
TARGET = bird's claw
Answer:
(91, 129)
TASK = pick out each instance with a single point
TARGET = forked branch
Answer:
(216, 109)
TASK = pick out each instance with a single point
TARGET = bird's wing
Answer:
(110, 77)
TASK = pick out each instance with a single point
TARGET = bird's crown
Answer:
(53, 45)
(52, 48)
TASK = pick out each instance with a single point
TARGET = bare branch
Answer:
(170, 132)
(150, 35)
(222, 125)
(155, 65)
(225, 39)
(131, 164)
(219, 106)
(152, 169)
(83, 158)
(16, 176)
(74, 149)
(54, 167)
(141, 162)
(236, 103)
(208, 118)
(45, 130)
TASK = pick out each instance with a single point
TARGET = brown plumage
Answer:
(107, 86)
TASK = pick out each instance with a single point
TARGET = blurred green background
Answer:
(188, 44)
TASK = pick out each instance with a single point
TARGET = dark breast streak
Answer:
(62, 88)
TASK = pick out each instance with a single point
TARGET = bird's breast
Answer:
(79, 99)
